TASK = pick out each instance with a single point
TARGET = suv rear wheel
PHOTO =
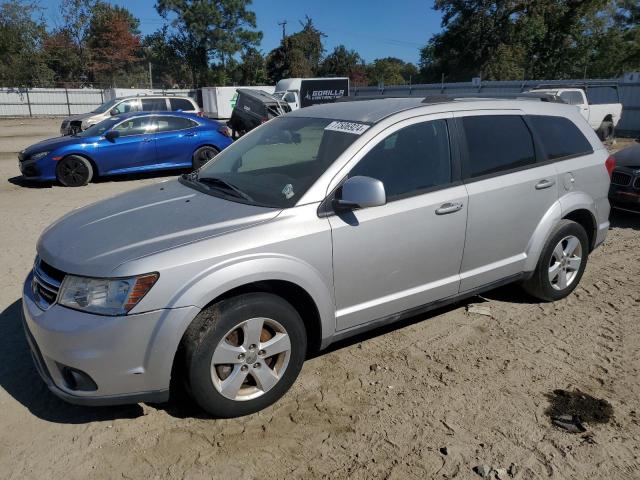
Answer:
(561, 263)
(244, 353)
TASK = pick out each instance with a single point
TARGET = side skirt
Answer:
(412, 312)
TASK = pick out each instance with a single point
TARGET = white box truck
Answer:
(218, 102)
(304, 92)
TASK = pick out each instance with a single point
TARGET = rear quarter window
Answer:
(559, 137)
(496, 143)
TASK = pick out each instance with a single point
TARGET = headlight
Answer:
(38, 156)
(105, 296)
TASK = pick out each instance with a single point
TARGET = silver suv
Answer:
(317, 225)
(140, 103)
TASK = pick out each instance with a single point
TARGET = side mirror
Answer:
(360, 192)
(111, 135)
(113, 111)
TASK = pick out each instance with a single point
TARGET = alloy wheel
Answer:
(565, 262)
(250, 359)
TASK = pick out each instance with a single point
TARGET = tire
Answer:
(202, 155)
(74, 171)
(606, 132)
(229, 330)
(567, 243)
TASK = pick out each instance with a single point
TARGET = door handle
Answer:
(448, 208)
(542, 184)
(190, 134)
(147, 139)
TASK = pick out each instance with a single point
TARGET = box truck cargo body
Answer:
(304, 92)
(218, 102)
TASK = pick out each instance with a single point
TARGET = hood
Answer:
(55, 143)
(96, 239)
(629, 157)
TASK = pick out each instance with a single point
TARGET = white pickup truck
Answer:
(602, 117)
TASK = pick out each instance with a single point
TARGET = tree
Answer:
(519, 39)
(113, 42)
(168, 66)
(341, 62)
(391, 71)
(253, 68)
(210, 31)
(298, 55)
(21, 60)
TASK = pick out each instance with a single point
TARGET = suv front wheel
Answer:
(561, 263)
(244, 353)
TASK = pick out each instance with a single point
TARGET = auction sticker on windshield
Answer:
(347, 127)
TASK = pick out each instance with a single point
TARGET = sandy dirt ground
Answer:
(433, 397)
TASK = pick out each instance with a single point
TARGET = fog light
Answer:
(75, 379)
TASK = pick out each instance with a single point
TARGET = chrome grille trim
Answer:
(44, 287)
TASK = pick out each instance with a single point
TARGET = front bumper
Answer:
(129, 357)
(625, 198)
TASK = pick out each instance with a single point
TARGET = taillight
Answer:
(200, 113)
(226, 131)
(610, 164)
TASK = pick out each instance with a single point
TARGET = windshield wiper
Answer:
(218, 182)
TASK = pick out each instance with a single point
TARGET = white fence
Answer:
(31, 102)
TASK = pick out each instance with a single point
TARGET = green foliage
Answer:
(210, 30)
(21, 60)
(518, 39)
(298, 55)
(341, 62)
(391, 71)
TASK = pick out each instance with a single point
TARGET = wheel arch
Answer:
(93, 163)
(576, 206)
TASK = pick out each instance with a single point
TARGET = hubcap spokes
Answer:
(565, 262)
(250, 359)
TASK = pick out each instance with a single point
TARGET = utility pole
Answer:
(150, 77)
(283, 24)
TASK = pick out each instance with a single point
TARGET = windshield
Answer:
(99, 128)
(277, 163)
(106, 106)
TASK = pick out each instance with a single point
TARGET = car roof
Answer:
(142, 95)
(375, 110)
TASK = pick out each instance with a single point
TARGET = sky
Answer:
(374, 28)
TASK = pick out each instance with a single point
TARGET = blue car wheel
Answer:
(203, 155)
(74, 171)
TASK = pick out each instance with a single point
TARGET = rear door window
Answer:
(559, 136)
(168, 124)
(411, 160)
(181, 104)
(495, 144)
(154, 104)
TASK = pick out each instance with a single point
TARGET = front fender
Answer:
(225, 276)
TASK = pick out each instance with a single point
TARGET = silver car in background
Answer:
(315, 226)
(140, 103)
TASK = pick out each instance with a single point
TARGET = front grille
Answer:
(46, 283)
(620, 178)
(636, 184)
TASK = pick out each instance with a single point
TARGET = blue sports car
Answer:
(127, 143)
